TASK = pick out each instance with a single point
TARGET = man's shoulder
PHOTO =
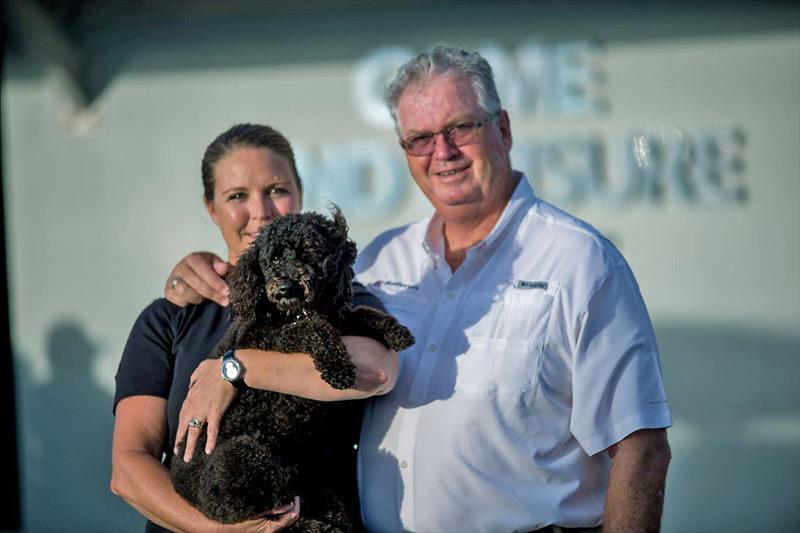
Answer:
(571, 234)
(401, 239)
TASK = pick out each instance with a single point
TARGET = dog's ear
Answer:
(339, 220)
(349, 250)
(347, 256)
(247, 286)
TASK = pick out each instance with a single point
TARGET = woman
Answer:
(249, 178)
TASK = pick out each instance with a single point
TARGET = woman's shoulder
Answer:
(162, 310)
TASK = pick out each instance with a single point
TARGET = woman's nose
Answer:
(262, 208)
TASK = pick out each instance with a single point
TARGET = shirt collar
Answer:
(433, 243)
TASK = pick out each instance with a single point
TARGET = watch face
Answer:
(230, 369)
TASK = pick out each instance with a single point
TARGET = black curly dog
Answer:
(290, 292)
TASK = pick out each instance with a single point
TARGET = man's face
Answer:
(460, 181)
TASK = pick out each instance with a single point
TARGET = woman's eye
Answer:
(278, 191)
(236, 196)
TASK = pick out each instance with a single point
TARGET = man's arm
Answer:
(635, 498)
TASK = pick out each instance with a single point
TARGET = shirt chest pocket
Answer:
(505, 334)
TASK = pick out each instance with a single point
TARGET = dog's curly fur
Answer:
(290, 292)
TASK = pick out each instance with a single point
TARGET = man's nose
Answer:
(443, 147)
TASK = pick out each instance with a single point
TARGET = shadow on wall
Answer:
(66, 428)
(735, 399)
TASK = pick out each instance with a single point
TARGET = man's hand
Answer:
(196, 278)
(208, 398)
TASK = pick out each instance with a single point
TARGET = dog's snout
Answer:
(288, 289)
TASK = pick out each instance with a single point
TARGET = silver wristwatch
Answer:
(233, 370)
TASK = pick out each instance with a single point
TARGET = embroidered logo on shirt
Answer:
(524, 284)
(395, 284)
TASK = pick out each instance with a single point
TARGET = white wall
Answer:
(100, 204)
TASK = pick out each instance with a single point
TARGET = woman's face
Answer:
(252, 186)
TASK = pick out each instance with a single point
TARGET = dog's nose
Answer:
(288, 289)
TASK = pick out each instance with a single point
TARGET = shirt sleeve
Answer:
(362, 296)
(147, 361)
(617, 382)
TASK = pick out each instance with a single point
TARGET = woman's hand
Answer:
(282, 517)
(208, 398)
(198, 277)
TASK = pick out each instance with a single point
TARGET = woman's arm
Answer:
(139, 477)
(376, 371)
(210, 395)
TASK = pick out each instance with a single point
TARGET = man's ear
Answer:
(505, 129)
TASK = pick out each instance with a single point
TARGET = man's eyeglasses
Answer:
(458, 134)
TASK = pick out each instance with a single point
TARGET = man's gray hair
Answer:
(441, 60)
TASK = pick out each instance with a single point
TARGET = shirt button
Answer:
(403, 464)
(450, 295)
(432, 348)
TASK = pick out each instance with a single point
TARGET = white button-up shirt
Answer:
(535, 355)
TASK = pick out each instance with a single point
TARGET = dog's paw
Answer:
(399, 338)
(340, 376)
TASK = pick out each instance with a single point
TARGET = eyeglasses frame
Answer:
(448, 137)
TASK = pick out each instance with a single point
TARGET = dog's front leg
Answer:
(368, 322)
(322, 342)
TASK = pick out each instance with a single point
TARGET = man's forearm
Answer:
(635, 498)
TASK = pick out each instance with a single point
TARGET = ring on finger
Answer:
(196, 423)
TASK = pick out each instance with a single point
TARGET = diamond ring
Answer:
(196, 423)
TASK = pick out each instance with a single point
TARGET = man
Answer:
(533, 397)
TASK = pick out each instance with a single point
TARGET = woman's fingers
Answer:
(208, 398)
(286, 519)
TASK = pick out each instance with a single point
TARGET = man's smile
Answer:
(452, 172)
